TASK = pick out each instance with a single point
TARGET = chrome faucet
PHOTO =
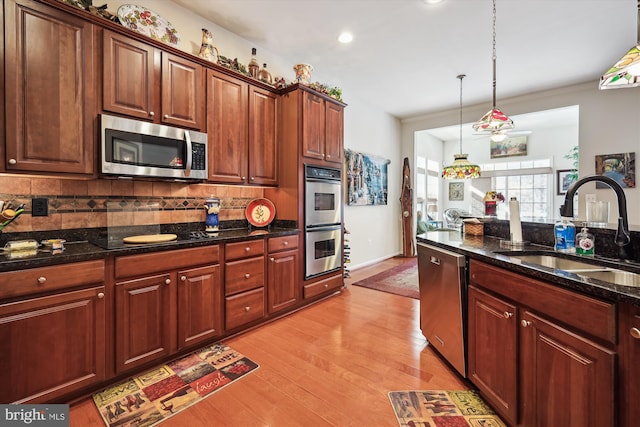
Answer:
(622, 238)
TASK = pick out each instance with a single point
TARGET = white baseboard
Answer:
(354, 267)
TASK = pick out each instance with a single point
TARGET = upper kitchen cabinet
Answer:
(322, 129)
(50, 101)
(242, 123)
(143, 82)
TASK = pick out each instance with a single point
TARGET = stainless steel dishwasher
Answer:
(442, 277)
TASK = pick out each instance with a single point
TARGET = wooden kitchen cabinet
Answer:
(143, 82)
(629, 365)
(50, 94)
(243, 123)
(283, 273)
(165, 302)
(540, 355)
(244, 283)
(322, 128)
(52, 339)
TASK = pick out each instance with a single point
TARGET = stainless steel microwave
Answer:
(133, 148)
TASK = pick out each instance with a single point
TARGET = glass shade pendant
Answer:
(625, 72)
(461, 168)
(495, 121)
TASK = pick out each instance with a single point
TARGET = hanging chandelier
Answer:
(625, 72)
(495, 122)
(461, 168)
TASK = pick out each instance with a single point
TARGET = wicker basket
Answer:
(474, 228)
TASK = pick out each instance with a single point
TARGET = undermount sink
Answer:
(584, 269)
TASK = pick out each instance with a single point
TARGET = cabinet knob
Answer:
(247, 249)
(508, 314)
(285, 243)
(168, 281)
(151, 113)
(247, 308)
(247, 275)
(244, 177)
(326, 285)
(635, 332)
(101, 295)
(272, 259)
(525, 323)
(166, 116)
(183, 278)
(12, 161)
(42, 280)
(252, 178)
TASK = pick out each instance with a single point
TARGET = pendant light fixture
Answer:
(625, 72)
(461, 168)
(495, 122)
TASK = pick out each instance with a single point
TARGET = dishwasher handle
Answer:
(434, 260)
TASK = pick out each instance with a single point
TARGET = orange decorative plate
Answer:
(260, 212)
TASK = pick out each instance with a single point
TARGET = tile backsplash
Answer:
(83, 204)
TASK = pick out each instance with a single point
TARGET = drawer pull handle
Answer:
(247, 249)
(42, 280)
(101, 295)
(272, 259)
(253, 178)
(326, 286)
(166, 116)
(168, 281)
(285, 243)
(151, 113)
(244, 178)
(246, 276)
(247, 308)
(183, 278)
(508, 314)
(525, 323)
(635, 332)
(12, 161)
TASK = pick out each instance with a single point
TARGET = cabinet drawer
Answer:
(330, 284)
(244, 275)
(244, 308)
(243, 249)
(136, 265)
(45, 279)
(590, 315)
(283, 243)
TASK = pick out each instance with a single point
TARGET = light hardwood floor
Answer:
(331, 364)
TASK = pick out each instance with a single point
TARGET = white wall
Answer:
(609, 122)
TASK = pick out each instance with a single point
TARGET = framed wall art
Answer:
(456, 191)
(514, 146)
(565, 177)
(619, 167)
(367, 181)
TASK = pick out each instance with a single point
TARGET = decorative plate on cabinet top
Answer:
(147, 22)
(260, 212)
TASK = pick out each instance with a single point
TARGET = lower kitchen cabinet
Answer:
(52, 344)
(629, 365)
(323, 286)
(165, 302)
(283, 273)
(539, 354)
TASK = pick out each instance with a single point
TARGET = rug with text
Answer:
(442, 408)
(158, 394)
(400, 280)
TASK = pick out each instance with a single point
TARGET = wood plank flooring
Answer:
(331, 364)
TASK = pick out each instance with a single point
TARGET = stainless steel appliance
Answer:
(323, 220)
(442, 277)
(134, 148)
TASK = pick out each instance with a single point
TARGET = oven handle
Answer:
(323, 227)
(326, 181)
(187, 139)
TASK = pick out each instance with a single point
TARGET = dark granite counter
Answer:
(488, 249)
(90, 246)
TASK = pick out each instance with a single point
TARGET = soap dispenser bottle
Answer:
(585, 242)
(565, 233)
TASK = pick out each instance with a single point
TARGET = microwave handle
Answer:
(187, 139)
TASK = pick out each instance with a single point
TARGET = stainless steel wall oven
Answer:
(323, 220)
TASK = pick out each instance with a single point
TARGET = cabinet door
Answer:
(283, 276)
(227, 124)
(492, 342)
(49, 90)
(263, 132)
(199, 305)
(129, 77)
(629, 368)
(183, 94)
(313, 126)
(334, 132)
(52, 346)
(145, 311)
(566, 379)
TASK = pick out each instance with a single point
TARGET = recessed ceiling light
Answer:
(345, 37)
(433, 1)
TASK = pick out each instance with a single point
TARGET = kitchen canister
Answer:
(212, 205)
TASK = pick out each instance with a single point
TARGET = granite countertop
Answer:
(488, 249)
(89, 247)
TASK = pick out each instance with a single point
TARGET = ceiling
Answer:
(406, 54)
